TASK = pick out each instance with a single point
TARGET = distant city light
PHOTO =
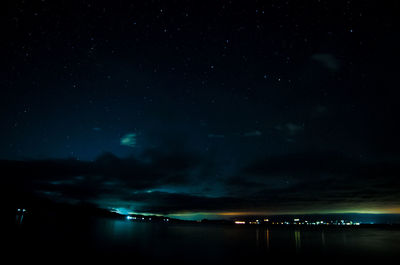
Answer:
(264, 221)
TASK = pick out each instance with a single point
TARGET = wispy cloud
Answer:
(252, 134)
(290, 128)
(211, 135)
(128, 140)
(327, 60)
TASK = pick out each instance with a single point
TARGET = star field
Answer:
(212, 107)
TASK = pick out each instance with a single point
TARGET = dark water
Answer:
(120, 240)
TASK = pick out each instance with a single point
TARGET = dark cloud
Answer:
(167, 203)
(69, 178)
(302, 165)
(302, 181)
(321, 178)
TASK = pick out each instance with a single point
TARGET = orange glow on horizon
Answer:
(362, 210)
(240, 213)
(375, 210)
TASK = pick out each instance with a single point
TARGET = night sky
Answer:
(195, 108)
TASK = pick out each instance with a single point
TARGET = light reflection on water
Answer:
(254, 239)
(297, 239)
(216, 242)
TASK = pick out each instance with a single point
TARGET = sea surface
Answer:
(141, 243)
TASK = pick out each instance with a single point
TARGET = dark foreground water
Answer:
(97, 240)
